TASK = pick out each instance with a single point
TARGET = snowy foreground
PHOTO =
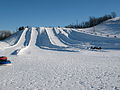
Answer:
(61, 59)
(55, 70)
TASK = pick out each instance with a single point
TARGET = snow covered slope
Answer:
(59, 39)
(110, 27)
(60, 59)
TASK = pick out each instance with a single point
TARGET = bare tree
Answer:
(4, 34)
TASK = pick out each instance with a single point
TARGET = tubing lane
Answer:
(33, 37)
(53, 38)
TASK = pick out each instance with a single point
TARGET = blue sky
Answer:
(15, 13)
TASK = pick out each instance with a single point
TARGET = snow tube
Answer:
(5, 62)
(3, 58)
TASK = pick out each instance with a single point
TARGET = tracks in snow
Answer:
(54, 38)
(57, 39)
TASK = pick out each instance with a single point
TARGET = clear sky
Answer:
(15, 13)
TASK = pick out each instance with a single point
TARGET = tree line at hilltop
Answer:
(93, 21)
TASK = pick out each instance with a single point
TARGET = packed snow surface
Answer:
(60, 59)
(110, 27)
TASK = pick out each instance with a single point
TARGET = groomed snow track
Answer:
(60, 39)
